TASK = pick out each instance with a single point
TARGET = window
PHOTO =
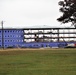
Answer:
(22, 40)
(10, 40)
(5, 45)
(16, 35)
(18, 31)
(18, 40)
(10, 35)
(21, 35)
(5, 40)
(5, 31)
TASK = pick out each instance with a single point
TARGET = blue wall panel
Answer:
(12, 37)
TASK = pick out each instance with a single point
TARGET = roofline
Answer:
(36, 28)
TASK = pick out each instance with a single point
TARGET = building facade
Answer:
(36, 37)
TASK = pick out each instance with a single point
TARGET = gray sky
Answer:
(22, 13)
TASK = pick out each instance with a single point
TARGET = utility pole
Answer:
(2, 35)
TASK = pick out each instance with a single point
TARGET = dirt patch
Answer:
(20, 49)
(16, 49)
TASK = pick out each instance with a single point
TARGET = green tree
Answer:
(68, 8)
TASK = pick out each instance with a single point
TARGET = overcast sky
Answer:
(22, 13)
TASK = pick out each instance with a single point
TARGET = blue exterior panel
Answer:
(12, 37)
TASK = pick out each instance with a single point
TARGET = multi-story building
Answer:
(36, 37)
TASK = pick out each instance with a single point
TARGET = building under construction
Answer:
(37, 37)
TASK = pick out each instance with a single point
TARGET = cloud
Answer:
(29, 12)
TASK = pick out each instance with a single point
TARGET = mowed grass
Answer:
(38, 62)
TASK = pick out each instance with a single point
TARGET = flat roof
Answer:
(35, 28)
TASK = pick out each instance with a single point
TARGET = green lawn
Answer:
(38, 62)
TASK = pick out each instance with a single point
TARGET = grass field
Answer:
(38, 62)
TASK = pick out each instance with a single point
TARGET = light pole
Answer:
(2, 35)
